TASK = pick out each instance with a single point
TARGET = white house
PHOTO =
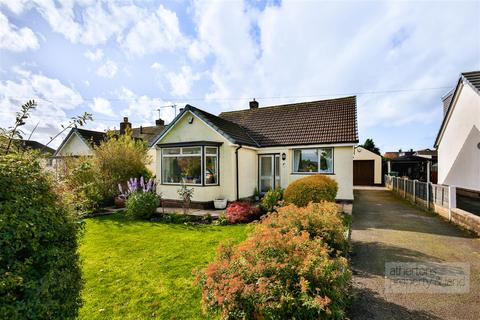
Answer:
(81, 142)
(458, 140)
(231, 155)
(367, 167)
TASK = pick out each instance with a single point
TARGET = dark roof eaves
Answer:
(461, 79)
(199, 113)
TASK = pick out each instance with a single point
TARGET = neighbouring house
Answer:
(231, 155)
(458, 140)
(367, 167)
(81, 142)
(411, 166)
(23, 144)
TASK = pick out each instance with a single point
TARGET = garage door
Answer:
(363, 172)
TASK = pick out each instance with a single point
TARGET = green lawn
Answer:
(143, 270)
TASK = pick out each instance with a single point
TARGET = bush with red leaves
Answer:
(242, 212)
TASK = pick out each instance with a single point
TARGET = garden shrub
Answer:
(320, 220)
(272, 199)
(276, 275)
(314, 188)
(94, 180)
(40, 277)
(120, 158)
(83, 190)
(242, 212)
(142, 205)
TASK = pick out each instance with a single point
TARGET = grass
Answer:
(143, 270)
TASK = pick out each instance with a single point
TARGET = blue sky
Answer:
(127, 58)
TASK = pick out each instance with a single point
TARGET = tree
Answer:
(370, 145)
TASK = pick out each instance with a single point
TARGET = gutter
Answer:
(236, 169)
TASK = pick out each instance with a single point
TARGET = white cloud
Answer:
(108, 69)
(317, 50)
(16, 6)
(181, 83)
(54, 99)
(101, 20)
(144, 109)
(157, 66)
(16, 39)
(157, 32)
(103, 106)
(94, 55)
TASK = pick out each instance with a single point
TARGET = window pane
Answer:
(326, 160)
(277, 171)
(266, 169)
(210, 150)
(182, 169)
(192, 150)
(171, 151)
(305, 160)
(211, 174)
(266, 184)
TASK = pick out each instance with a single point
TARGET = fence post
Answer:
(428, 184)
(414, 193)
(452, 200)
(405, 188)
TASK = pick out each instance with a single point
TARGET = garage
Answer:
(363, 173)
(367, 168)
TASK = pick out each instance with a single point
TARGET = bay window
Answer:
(317, 160)
(196, 165)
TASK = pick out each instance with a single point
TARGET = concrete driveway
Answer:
(387, 229)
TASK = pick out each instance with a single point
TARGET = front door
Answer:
(269, 172)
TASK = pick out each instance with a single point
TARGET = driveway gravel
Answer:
(388, 229)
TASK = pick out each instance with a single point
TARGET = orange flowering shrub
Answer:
(314, 188)
(276, 275)
(320, 220)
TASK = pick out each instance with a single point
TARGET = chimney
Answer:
(253, 104)
(159, 122)
(124, 125)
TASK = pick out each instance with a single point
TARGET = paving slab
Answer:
(388, 229)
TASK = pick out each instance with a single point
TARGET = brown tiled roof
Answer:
(147, 134)
(315, 122)
(391, 155)
(473, 77)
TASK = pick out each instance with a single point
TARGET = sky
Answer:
(131, 58)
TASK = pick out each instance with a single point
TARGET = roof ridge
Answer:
(289, 104)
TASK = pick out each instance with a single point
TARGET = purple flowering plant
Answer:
(137, 185)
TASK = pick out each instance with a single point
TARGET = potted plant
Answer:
(119, 202)
(220, 203)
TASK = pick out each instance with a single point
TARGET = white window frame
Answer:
(180, 155)
(217, 167)
(203, 164)
(319, 155)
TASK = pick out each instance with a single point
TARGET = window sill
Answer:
(313, 173)
(189, 184)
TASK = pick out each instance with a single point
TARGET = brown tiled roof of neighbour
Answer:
(473, 78)
(315, 122)
(390, 154)
(147, 134)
